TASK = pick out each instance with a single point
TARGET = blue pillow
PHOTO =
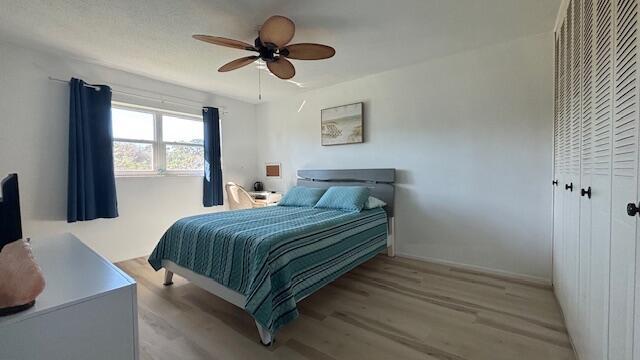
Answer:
(301, 196)
(349, 198)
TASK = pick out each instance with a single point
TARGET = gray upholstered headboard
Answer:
(379, 181)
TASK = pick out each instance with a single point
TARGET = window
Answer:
(134, 137)
(153, 142)
(184, 143)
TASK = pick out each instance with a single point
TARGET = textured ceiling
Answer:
(153, 37)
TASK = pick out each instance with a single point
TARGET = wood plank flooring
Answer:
(388, 308)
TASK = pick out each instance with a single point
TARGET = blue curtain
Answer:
(92, 185)
(212, 190)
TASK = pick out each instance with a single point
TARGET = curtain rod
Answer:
(163, 101)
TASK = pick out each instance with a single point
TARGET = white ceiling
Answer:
(153, 37)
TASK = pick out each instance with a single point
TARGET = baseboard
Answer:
(534, 280)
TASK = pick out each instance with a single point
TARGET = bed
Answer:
(265, 260)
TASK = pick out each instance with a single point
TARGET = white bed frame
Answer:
(336, 177)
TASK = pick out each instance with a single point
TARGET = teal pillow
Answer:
(349, 198)
(301, 196)
(373, 203)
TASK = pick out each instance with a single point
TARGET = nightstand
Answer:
(266, 198)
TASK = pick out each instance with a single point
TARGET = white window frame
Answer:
(159, 146)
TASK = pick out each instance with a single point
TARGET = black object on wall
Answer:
(10, 219)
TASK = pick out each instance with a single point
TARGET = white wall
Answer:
(34, 143)
(470, 136)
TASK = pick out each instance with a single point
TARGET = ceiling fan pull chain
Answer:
(259, 84)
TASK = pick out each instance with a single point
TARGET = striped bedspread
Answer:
(276, 255)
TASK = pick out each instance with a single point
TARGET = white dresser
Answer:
(88, 309)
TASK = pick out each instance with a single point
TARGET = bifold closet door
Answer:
(582, 335)
(559, 165)
(557, 193)
(565, 146)
(571, 201)
(601, 152)
(625, 181)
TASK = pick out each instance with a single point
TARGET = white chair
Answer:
(239, 198)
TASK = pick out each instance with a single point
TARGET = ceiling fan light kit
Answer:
(271, 46)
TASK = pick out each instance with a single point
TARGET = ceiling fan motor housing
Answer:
(267, 51)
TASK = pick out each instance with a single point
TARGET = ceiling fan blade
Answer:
(237, 63)
(216, 40)
(282, 68)
(308, 51)
(277, 30)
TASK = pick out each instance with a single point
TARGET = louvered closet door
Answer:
(573, 127)
(559, 214)
(625, 184)
(557, 195)
(601, 152)
(566, 155)
(581, 338)
(557, 163)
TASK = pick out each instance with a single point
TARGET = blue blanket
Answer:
(274, 256)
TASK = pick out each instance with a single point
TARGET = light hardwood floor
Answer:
(388, 308)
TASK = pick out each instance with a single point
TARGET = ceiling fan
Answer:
(271, 46)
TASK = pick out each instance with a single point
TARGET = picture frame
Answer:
(273, 170)
(342, 125)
